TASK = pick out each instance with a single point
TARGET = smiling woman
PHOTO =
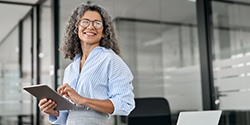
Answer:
(97, 81)
(90, 32)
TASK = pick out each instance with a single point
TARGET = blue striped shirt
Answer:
(103, 76)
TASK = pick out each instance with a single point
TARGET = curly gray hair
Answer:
(70, 46)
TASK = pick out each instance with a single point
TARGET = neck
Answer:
(86, 49)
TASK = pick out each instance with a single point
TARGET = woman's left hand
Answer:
(67, 91)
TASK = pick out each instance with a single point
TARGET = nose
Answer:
(91, 25)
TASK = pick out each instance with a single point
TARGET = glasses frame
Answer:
(95, 23)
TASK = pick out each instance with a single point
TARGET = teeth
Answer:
(89, 33)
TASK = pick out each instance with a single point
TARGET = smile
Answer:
(90, 33)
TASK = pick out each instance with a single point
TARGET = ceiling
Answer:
(119, 8)
(12, 13)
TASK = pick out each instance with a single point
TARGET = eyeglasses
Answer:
(85, 23)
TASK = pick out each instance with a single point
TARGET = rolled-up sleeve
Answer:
(61, 119)
(120, 87)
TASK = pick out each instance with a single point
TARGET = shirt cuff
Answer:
(121, 108)
(61, 119)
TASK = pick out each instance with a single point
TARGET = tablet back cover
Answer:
(43, 91)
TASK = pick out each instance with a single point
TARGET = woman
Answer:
(97, 81)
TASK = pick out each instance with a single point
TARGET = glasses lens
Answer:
(84, 23)
(97, 24)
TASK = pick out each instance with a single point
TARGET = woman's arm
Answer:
(104, 106)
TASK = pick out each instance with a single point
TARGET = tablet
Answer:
(44, 91)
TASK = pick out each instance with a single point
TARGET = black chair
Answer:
(150, 111)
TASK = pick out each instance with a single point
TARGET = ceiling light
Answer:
(192, 0)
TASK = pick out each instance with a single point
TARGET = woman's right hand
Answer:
(48, 106)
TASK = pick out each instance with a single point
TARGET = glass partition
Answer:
(163, 53)
(46, 45)
(10, 96)
(231, 60)
(15, 68)
(162, 63)
(46, 54)
(26, 113)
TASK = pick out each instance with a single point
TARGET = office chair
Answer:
(150, 111)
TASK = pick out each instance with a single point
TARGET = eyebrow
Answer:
(90, 20)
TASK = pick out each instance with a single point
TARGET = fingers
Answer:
(68, 92)
(41, 102)
(64, 90)
(50, 106)
(47, 105)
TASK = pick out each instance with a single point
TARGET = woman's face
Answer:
(90, 28)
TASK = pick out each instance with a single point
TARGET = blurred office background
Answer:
(196, 54)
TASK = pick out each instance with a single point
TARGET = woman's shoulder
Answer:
(108, 52)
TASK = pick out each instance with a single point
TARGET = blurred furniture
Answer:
(150, 111)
